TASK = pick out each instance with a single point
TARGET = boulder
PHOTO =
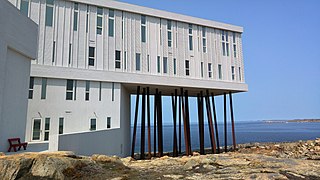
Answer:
(190, 164)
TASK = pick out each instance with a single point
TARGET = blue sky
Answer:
(281, 48)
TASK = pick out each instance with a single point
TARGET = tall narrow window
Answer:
(87, 93)
(100, 89)
(91, 56)
(165, 65)
(46, 128)
(232, 73)
(220, 71)
(44, 88)
(174, 66)
(160, 35)
(108, 122)
(75, 16)
(112, 93)
(187, 64)
(234, 37)
(31, 84)
(99, 20)
(53, 51)
(24, 7)
(169, 27)
(75, 90)
(148, 62)
(122, 25)
(70, 54)
(111, 22)
(87, 19)
(49, 12)
(125, 59)
(204, 39)
(239, 73)
(118, 59)
(69, 91)
(190, 38)
(209, 70)
(137, 61)
(201, 68)
(234, 44)
(225, 43)
(93, 124)
(61, 122)
(143, 28)
(158, 64)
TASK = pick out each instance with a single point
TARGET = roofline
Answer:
(161, 14)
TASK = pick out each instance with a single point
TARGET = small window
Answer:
(24, 7)
(100, 89)
(143, 28)
(108, 122)
(70, 53)
(210, 70)
(112, 92)
(91, 56)
(93, 124)
(61, 122)
(232, 73)
(111, 23)
(46, 129)
(69, 91)
(174, 66)
(53, 51)
(148, 62)
(227, 47)
(31, 85)
(49, 12)
(190, 43)
(223, 49)
(234, 37)
(220, 71)
(99, 20)
(44, 88)
(75, 16)
(118, 59)
(165, 65)
(87, 93)
(201, 68)
(158, 64)
(137, 61)
(187, 68)
(234, 51)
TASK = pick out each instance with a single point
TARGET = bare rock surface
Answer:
(298, 160)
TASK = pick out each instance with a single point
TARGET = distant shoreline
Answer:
(293, 121)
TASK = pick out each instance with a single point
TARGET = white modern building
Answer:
(93, 54)
(16, 52)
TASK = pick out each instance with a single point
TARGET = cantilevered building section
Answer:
(94, 53)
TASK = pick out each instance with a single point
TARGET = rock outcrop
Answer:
(252, 161)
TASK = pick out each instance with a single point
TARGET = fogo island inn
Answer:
(94, 54)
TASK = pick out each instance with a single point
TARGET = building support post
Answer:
(180, 101)
(143, 124)
(215, 122)
(232, 123)
(201, 122)
(225, 122)
(184, 124)
(149, 119)
(135, 123)
(174, 113)
(211, 130)
(155, 123)
(160, 134)
(188, 121)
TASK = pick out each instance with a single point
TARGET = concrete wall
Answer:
(99, 142)
(16, 51)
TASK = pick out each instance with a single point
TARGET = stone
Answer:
(106, 159)
(190, 164)
(196, 154)
(2, 154)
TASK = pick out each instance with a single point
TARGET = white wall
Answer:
(16, 51)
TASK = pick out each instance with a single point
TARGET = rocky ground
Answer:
(299, 160)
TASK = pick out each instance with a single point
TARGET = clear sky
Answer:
(281, 48)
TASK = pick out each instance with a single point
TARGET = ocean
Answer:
(246, 132)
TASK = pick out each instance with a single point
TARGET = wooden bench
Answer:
(15, 142)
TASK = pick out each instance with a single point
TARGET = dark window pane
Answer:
(44, 88)
(118, 55)
(118, 64)
(49, 16)
(111, 13)
(69, 96)
(91, 62)
(99, 21)
(158, 64)
(87, 96)
(143, 19)
(137, 61)
(50, 2)
(75, 21)
(30, 96)
(70, 85)
(91, 51)
(143, 34)
(174, 66)
(99, 30)
(99, 11)
(190, 43)
(61, 125)
(165, 64)
(169, 24)
(31, 82)
(24, 7)
(111, 24)
(47, 124)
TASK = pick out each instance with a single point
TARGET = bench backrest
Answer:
(13, 140)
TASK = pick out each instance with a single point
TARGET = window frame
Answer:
(111, 23)
(93, 126)
(187, 67)
(91, 59)
(49, 6)
(99, 29)
(117, 59)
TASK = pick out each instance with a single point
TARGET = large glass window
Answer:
(87, 93)
(44, 88)
(111, 22)
(46, 129)
(187, 65)
(69, 90)
(91, 56)
(75, 16)
(99, 20)
(93, 124)
(31, 85)
(165, 65)
(61, 123)
(190, 38)
(143, 28)
(118, 59)
(138, 62)
(49, 12)
(24, 7)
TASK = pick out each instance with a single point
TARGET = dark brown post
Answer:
(160, 136)
(225, 122)
(143, 124)
(184, 124)
(215, 122)
(149, 119)
(174, 113)
(135, 123)
(201, 123)
(232, 123)
(211, 130)
(188, 120)
(180, 101)
(155, 123)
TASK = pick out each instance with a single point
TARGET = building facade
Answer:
(93, 53)
(16, 53)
